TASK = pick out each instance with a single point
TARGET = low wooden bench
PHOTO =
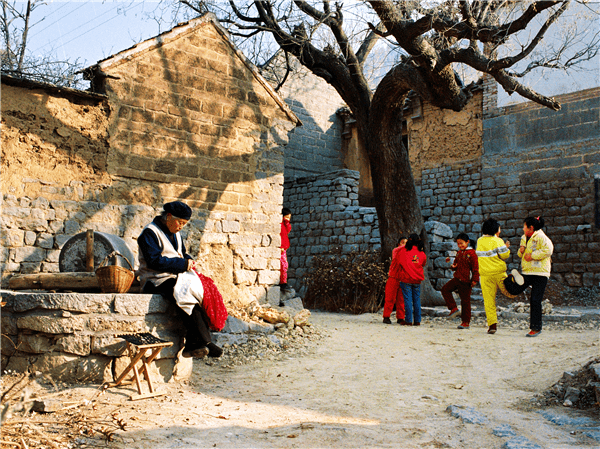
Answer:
(137, 346)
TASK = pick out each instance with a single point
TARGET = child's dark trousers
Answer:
(464, 292)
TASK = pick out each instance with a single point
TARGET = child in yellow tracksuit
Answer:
(491, 253)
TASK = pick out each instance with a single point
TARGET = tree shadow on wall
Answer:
(171, 146)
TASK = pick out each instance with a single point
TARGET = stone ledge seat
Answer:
(72, 336)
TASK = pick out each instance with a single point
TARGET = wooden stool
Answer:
(137, 345)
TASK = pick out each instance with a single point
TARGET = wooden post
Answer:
(89, 250)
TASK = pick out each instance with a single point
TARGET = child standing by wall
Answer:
(412, 259)
(466, 276)
(492, 252)
(286, 228)
(535, 252)
(393, 293)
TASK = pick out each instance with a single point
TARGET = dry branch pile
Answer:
(353, 283)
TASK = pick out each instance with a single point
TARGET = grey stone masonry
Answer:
(451, 194)
(325, 216)
(539, 162)
(72, 336)
(314, 147)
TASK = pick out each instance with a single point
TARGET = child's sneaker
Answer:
(533, 333)
(463, 326)
(386, 320)
(517, 277)
(453, 313)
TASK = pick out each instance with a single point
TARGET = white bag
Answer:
(188, 291)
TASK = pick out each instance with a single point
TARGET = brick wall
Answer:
(184, 117)
(314, 147)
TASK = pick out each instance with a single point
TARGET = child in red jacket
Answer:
(286, 228)
(393, 294)
(466, 276)
(412, 259)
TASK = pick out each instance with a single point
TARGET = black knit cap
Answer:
(178, 209)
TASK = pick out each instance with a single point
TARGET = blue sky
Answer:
(94, 30)
(90, 30)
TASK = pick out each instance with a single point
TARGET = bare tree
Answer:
(15, 25)
(492, 37)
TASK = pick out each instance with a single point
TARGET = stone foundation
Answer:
(72, 336)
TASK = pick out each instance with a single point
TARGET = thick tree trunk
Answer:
(396, 199)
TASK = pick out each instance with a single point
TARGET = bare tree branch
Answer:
(510, 61)
(511, 85)
(369, 43)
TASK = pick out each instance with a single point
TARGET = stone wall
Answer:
(522, 160)
(71, 336)
(542, 162)
(184, 116)
(315, 147)
(326, 215)
(451, 194)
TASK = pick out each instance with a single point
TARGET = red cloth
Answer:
(213, 305)
(286, 228)
(412, 263)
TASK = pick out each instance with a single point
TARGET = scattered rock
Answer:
(521, 443)
(467, 414)
(504, 430)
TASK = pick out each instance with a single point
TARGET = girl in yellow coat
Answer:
(535, 252)
(492, 251)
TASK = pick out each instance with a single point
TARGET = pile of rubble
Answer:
(579, 389)
(266, 332)
(523, 307)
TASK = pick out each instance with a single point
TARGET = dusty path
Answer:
(364, 385)
(370, 385)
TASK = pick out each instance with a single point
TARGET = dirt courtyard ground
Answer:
(364, 385)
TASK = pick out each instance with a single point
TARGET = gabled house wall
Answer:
(183, 116)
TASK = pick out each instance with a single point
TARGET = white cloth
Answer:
(188, 291)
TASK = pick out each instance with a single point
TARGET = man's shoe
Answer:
(463, 326)
(453, 313)
(417, 324)
(492, 329)
(533, 333)
(386, 320)
(517, 277)
(199, 353)
(400, 321)
(214, 350)
(405, 323)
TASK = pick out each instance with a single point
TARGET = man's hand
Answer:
(507, 243)
(521, 250)
(528, 257)
(191, 265)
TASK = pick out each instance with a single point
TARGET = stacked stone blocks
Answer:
(326, 217)
(72, 336)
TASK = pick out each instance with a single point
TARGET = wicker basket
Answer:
(112, 278)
